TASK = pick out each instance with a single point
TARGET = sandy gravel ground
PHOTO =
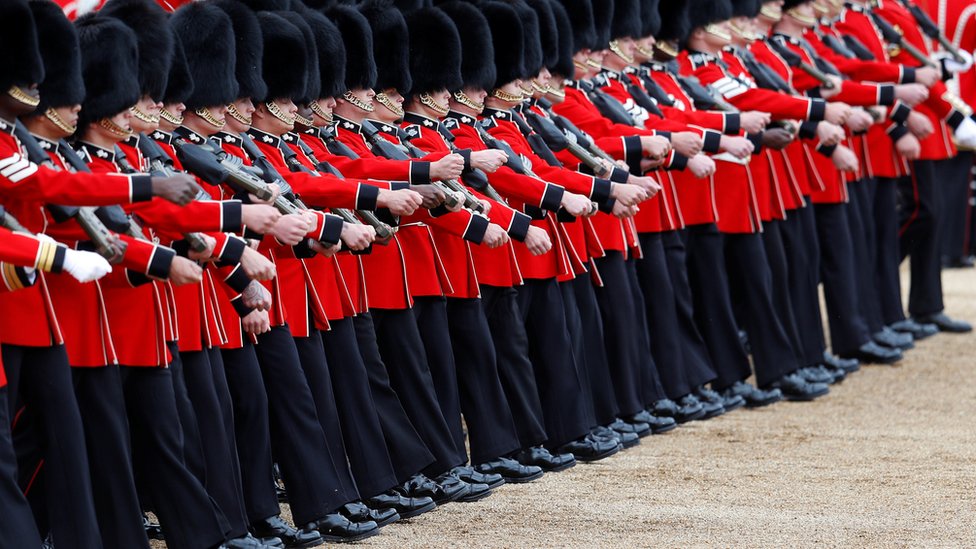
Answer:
(888, 459)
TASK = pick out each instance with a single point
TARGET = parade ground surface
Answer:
(888, 459)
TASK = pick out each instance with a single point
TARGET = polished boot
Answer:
(795, 388)
(606, 434)
(919, 331)
(872, 353)
(471, 476)
(658, 423)
(704, 394)
(511, 470)
(689, 409)
(637, 428)
(459, 490)
(665, 408)
(541, 457)
(588, 449)
(247, 541)
(945, 324)
(890, 338)
(336, 528)
(819, 374)
(358, 511)
(276, 527)
(849, 365)
(754, 397)
(406, 507)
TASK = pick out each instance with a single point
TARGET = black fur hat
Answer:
(746, 8)
(626, 21)
(564, 60)
(179, 84)
(789, 4)
(580, 14)
(508, 42)
(208, 40)
(650, 18)
(409, 5)
(285, 57)
(675, 24)
(358, 39)
(155, 40)
(21, 63)
(248, 48)
(435, 51)
(267, 5)
(331, 54)
(548, 33)
(603, 23)
(705, 12)
(477, 53)
(311, 68)
(109, 66)
(391, 44)
(62, 85)
(532, 56)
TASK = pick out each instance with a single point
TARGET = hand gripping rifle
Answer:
(476, 179)
(928, 26)
(86, 217)
(559, 140)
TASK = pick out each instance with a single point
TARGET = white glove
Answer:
(956, 67)
(85, 266)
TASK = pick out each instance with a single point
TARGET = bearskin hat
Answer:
(603, 23)
(109, 67)
(477, 53)
(179, 84)
(267, 5)
(435, 51)
(650, 18)
(155, 40)
(331, 54)
(248, 48)
(532, 54)
(626, 20)
(358, 39)
(310, 70)
(284, 59)
(62, 85)
(702, 13)
(21, 65)
(390, 44)
(208, 40)
(407, 6)
(790, 4)
(548, 33)
(746, 8)
(564, 59)
(580, 14)
(508, 42)
(675, 24)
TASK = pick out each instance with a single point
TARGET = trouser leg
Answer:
(17, 528)
(605, 408)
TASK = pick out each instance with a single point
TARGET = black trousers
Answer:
(751, 279)
(575, 327)
(39, 378)
(17, 528)
(252, 430)
(772, 239)
(298, 444)
(551, 352)
(954, 185)
(921, 208)
(311, 354)
(402, 349)
(886, 272)
(515, 369)
(848, 329)
(604, 399)
(698, 363)
(652, 390)
(713, 306)
(491, 427)
(406, 448)
(362, 433)
(861, 215)
(187, 514)
(802, 248)
(192, 441)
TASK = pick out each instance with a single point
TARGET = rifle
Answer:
(560, 139)
(100, 236)
(471, 201)
(581, 137)
(160, 168)
(704, 96)
(114, 217)
(215, 166)
(9, 222)
(860, 50)
(892, 36)
(838, 45)
(928, 26)
(610, 107)
(794, 60)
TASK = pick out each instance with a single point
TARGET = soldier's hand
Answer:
(844, 159)
(449, 167)
(927, 76)
(324, 251)
(909, 147)
(119, 246)
(290, 229)
(537, 241)
(919, 124)
(837, 113)
(739, 147)
(431, 195)
(687, 143)
(754, 121)
(275, 191)
(256, 323)
(495, 236)
(628, 195)
(655, 147)
(859, 121)
(830, 134)
(179, 189)
(649, 184)
(622, 212)
(827, 93)
(911, 94)
(701, 166)
(488, 160)
(486, 205)
(401, 202)
(777, 138)
(206, 253)
(183, 272)
(256, 266)
(357, 237)
(260, 218)
(576, 204)
(85, 266)
(256, 296)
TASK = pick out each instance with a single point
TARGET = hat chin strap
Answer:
(505, 96)
(803, 19)
(143, 115)
(463, 99)
(385, 100)
(276, 112)
(644, 51)
(238, 115)
(209, 118)
(327, 116)
(17, 93)
(667, 49)
(111, 127)
(56, 119)
(307, 122)
(173, 119)
(771, 11)
(359, 103)
(615, 48)
(717, 32)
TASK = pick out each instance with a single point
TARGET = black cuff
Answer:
(886, 94)
(817, 110)
(619, 175)
(907, 75)
(399, 185)
(231, 216)
(331, 229)
(633, 152)
(57, 264)
(808, 130)
(899, 114)
(182, 247)
(607, 206)
(733, 123)
(477, 226)
(366, 197)
(238, 279)
(756, 139)
(239, 306)
(678, 161)
(439, 211)
(141, 187)
(712, 141)
(161, 261)
(519, 227)
(955, 118)
(466, 155)
(826, 150)
(552, 197)
(233, 250)
(136, 278)
(813, 93)
(601, 190)
(896, 132)
(419, 172)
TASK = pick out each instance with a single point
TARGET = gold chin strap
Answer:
(143, 115)
(238, 115)
(348, 96)
(176, 120)
(527, 92)
(667, 48)
(771, 11)
(113, 128)
(385, 100)
(540, 88)
(717, 32)
(427, 100)
(56, 119)
(307, 122)
(276, 112)
(507, 97)
(20, 95)
(209, 118)
(803, 19)
(644, 51)
(463, 99)
(581, 66)
(590, 62)
(557, 93)
(743, 33)
(615, 48)
(327, 116)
